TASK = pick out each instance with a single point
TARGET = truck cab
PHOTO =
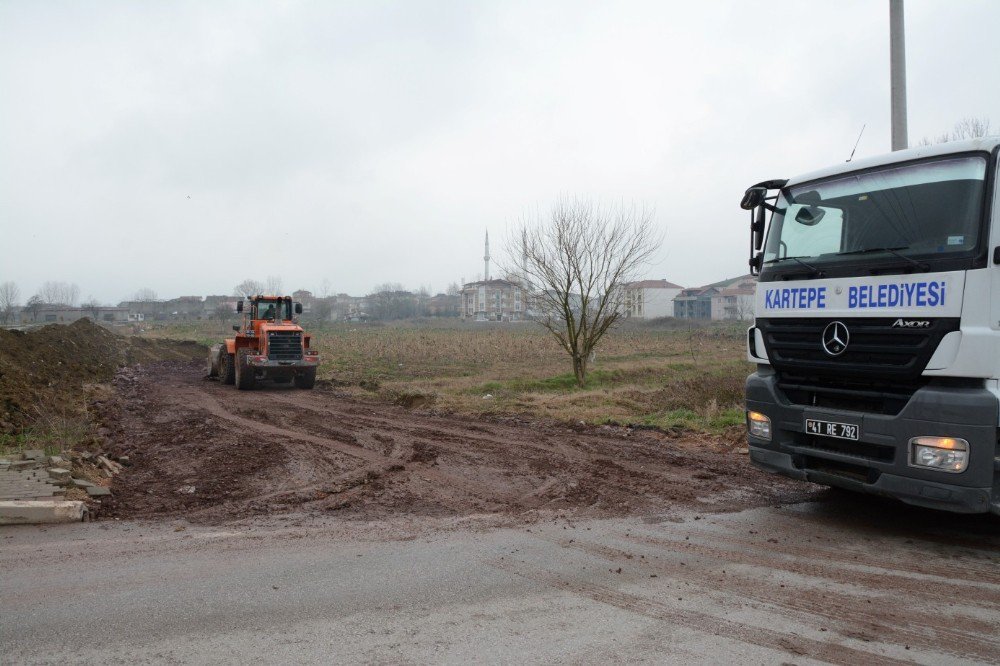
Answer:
(877, 326)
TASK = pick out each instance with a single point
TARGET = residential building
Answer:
(736, 302)
(493, 300)
(650, 299)
(443, 305)
(694, 303)
(62, 314)
(730, 299)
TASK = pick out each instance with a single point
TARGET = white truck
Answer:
(877, 326)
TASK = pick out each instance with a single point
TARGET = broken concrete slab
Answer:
(98, 491)
(34, 454)
(81, 483)
(31, 512)
(58, 461)
(108, 464)
(23, 464)
(59, 475)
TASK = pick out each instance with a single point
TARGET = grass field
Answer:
(690, 378)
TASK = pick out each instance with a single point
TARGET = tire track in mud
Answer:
(658, 471)
(700, 621)
(908, 623)
(321, 453)
(847, 573)
(915, 563)
(376, 462)
(983, 542)
(437, 430)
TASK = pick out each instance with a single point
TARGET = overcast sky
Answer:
(185, 146)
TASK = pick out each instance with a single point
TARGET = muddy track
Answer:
(280, 449)
(850, 581)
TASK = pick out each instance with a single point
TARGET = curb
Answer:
(28, 512)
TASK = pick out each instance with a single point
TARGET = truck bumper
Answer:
(878, 462)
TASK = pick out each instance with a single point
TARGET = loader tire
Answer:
(227, 372)
(245, 379)
(307, 379)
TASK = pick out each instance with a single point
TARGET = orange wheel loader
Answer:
(269, 345)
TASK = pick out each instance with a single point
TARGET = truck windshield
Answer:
(932, 208)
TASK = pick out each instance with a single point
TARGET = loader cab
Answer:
(271, 308)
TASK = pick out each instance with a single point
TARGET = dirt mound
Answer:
(209, 453)
(51, 370)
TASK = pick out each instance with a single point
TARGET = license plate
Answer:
(832, 429)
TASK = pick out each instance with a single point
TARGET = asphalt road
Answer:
(840, 580)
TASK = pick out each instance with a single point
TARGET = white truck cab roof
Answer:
(984, 144)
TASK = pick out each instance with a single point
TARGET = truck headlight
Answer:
(945, 454)
(759, 425)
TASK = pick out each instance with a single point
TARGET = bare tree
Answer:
(423, 295)
(34, 304)
(9, 296)
(322, 308)
(223, 312)
(59, 293)
(325, 288)
(970, 128)
(92, 308)
(273, 285)
(248, 288)
(966, 128)
(581, 258)
(390, 300)
(145, 295)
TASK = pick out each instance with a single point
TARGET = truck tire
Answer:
(307, 379)
(227, 373)
(245, 379)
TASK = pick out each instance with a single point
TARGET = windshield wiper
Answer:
(815, 271)
(893, 251)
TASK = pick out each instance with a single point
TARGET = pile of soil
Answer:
(48, 370)
(207, 452)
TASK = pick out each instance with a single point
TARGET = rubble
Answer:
(60, 476)
(33, 486)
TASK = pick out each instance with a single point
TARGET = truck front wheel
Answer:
(227, 373)
(245, 379)
(306, 379)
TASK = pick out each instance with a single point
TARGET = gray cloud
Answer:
(373, 142)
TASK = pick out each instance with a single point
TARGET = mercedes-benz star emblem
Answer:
(835, 338)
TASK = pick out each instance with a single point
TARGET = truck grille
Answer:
(284, 346)
(873, 396)
(876, 350)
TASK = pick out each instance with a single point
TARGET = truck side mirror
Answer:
(757, 226)
(239, 305)
(753, 197)
(298, 308)
(236, 327)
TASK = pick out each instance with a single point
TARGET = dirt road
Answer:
(839, 580)
(305, 527)
(210, 453)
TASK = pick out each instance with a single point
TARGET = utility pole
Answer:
(897, 67)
